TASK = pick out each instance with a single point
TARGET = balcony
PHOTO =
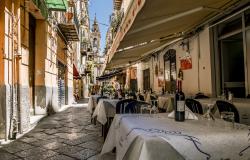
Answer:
(38, 9)
(84, 47)
(69, 25)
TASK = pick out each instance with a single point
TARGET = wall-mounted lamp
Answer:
(185, 46)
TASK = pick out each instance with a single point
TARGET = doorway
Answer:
(170, 70)
(32, 39)
(232, 65)
(146, 79)
(61, 84)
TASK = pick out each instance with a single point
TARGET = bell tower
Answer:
(95, 37)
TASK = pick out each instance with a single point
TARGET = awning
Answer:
(75, 72)
(109, 75)
(69, 31)
(149, 20)
(57, 5)
(127, 57)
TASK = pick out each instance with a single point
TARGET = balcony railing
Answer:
(69, 25)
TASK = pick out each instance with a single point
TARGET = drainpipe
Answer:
(13, 75)
(14, 124)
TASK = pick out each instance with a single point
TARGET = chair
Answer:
(120, 106)
(194, 106)
(141, 97)
(102, 97)
(200, 96)
(136, 106)
(132, 94)
(224, 106)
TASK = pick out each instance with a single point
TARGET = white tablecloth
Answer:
(105, 108)
(242, 105)
(156, 137)
(166, 102)
(92, 102)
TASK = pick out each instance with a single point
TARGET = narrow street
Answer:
(64, 136)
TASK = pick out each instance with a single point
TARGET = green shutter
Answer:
(57, 5)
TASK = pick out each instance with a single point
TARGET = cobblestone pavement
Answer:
(64, 136)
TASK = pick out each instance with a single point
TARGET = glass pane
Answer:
(232, 56)
(247, 18)
(167, 70)
(230, 26)
(173, 71)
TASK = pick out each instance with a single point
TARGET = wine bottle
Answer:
(179, 103)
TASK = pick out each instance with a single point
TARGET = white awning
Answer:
(152, 20)
(130, 56)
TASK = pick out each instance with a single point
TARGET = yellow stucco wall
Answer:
(41, 49)
(2, 7)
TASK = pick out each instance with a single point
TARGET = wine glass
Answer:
(228, 116)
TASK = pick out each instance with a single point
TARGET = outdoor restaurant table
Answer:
(105, 108)
(155, 136)
(92, 102)
(166, 102)
(242, 105)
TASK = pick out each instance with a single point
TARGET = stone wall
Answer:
(5, 106)
(24, 108)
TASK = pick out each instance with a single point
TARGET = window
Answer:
(232, 65)
(170, 70)
(247, 19)
(231, 68)
(146, 79)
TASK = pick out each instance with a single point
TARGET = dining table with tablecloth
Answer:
(156, 136)
(104, 109)
(92, 103)
(166, 102)
(242, 105)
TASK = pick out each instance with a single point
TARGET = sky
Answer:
(103, 9)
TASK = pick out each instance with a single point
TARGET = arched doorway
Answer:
(170, 70)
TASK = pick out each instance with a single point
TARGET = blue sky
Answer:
(103, 9)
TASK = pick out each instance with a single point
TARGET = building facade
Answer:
(80, 78)
(38, 43)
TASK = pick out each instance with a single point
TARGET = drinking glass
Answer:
(228, 116)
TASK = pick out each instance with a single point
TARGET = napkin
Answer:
(188, 114)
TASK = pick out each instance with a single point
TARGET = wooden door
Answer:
(32, 38)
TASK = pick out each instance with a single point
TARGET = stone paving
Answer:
(64, 136)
